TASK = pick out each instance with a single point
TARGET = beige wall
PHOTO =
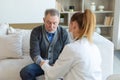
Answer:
(25, 26)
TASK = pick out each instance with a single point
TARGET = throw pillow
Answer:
(26, 41)
(11, 46)
(3, 28)
(25, 37)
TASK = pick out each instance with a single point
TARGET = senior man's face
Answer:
(51, 23)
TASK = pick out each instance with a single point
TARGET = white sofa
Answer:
(15, 59)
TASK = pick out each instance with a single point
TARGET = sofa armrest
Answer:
(106, 48)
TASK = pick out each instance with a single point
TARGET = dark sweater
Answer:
(40, 45)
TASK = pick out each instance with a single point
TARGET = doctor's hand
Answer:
(43, 62)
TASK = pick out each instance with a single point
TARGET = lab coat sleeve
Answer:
(61, 67)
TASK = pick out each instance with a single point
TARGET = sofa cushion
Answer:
(25, 37)
(3, 28)
(10, 46)
(26, 41)
(10, 68)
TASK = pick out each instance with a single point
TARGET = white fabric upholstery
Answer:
(25, 37)
(114, 77)
(3, 28)
(107, 52)
(10, 68)
(26, 41)
(11, 46)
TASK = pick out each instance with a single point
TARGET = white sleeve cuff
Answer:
(45, 66)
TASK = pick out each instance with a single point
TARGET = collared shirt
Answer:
(50, 36)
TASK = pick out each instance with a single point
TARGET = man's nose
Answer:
(51, 25)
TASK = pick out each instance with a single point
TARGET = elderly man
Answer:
(46, 42)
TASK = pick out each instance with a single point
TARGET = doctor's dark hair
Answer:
(52, 12)
(86, 23)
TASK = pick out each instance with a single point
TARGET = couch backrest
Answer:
(25, 37)
(26, 41)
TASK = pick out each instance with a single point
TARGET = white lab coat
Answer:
(79, 60)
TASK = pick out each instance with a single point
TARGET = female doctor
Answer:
(79, 60)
